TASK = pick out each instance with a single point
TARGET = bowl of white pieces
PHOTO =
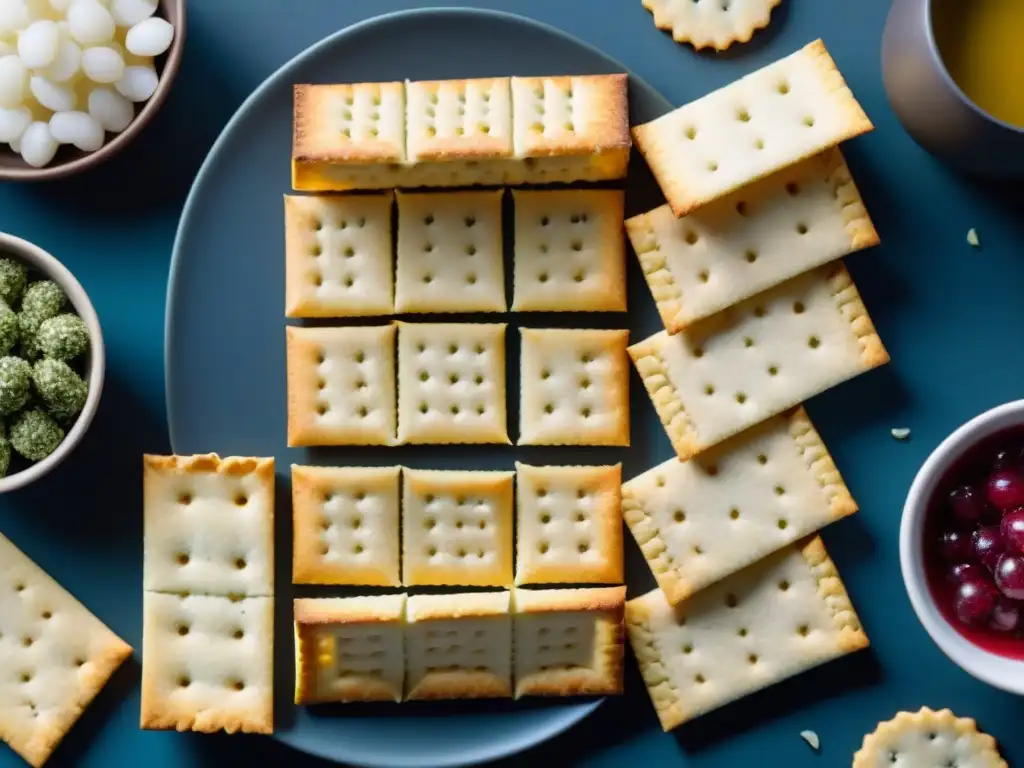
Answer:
(51, 362)
(79, 79)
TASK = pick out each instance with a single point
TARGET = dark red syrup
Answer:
(974, 544)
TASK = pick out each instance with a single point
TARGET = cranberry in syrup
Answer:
(974, 544)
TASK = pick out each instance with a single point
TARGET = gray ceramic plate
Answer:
(226, 354)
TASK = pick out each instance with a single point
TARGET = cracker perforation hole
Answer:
(691, 133)
(792, 189)
(709, 390)
(182, 558)
(543, 548)
(773, 370)
(798, 307)
(703, 275)
(748, 342)
(731, 600)
(809, 121)
(691, 236)
(783, 585)
(743, 115)
(750, 256)
(803, 630)
(184, 681)
(712, 166)
(471, 250)
(760, 312)
(183, 629)
(185, 498)
(752, 658)
(783, 524)
(741, 208)
(814, 342)
(240, 563)
(742, 632)
(583, 547)
(741, 398)
(47, 615)
(734, 513)
(783, 87)
(699, 679)
(759, 144)
(762, 459)
(545, 518)
(801, 228)
(679, 516)
(471, 279)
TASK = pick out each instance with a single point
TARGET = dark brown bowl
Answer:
(69, 160)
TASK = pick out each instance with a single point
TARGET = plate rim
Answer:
(558, 725)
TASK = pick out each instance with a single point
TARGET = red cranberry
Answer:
(955, 546)
(1012, 529)
(988, 545)
(1009, 574)
(1005, 616)
(974, 600)
(963, 571)
(967, 503)
(1006, 489)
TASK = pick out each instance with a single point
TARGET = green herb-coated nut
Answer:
(13, 278)
(15, 380)
(10, 330)
(62, 391)
(5, 456)
(63, 337)
(43, 300)
(35, 435)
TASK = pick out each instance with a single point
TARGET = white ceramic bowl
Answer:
(42, 263)
(988, 667)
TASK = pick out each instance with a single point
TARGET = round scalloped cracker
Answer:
(928, 738)
(711, 23)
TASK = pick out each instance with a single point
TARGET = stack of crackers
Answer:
(399, 252)
(759, 315)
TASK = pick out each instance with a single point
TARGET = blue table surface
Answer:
(948, 313)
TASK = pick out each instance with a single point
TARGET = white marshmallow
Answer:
(67, 64)
(90, 22)
(13, 79)
(138, 83)
(77, 128)
(112, 110)
(38, 44)
(102, 64)
(128, 13)
(150, 37)
(14, 16)
(37, 145)
(55, 97)
(13, 123)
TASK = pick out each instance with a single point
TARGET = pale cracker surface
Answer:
(208, 663)
(758, 358)
(574, 387)
(349, 649)
(55, 657)
(775, 619)
(568, 642)
(770, 119)
(459, 646)
(450, 252)
(451, 386)
(569, 251)
(928, 738)
(341, 385)
(746, 242)
(338, 259)
(209, 525)
(457, 527)
(711, 24)
(345, 525)
(569, 524)
(699, 521)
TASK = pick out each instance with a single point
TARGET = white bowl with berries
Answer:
(962, 546)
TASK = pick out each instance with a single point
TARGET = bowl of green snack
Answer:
(51, 362)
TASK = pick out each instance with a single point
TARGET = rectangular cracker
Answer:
(770, 119)
(574, 387)
(746, 242)
(345, 525)
(348, 136)
(570, 128)
(569, 251)
(568, 642)
(341, 385)
(570, 525)
(701, 520)
(459, 120)
(451, 386)
(338, 255)
(450, 252)
(209, 525)
(208, 663)
(349, 649)
(777, 618)
(758, 358)
(457, 528)
(55, 656)
(459, 646)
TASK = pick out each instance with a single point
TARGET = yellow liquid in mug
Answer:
(982, 45)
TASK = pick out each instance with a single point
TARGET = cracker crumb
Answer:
(812, 739)
(972, 238)
(900, 433)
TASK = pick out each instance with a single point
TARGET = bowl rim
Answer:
(999, 671)
(34, 256)
(149, 109)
